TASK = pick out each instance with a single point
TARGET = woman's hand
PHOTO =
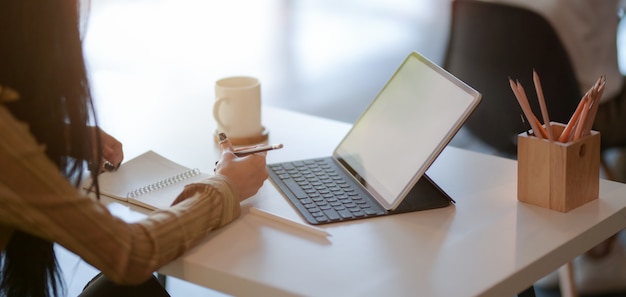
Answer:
(112, 152)
(247, 174)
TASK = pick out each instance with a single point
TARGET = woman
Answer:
(45, 146)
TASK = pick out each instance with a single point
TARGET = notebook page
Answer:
(139, 173)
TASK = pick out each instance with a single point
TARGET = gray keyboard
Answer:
(322, 192)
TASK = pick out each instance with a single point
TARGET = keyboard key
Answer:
(318, 214)
(372, 212)
(294, 188)
(321, 219)
(331, 214)
(358, 214)
(345, 214)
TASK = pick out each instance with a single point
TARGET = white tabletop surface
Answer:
(488, 244)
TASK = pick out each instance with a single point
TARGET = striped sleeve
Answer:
(37, 199)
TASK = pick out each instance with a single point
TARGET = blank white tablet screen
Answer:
(404, 129)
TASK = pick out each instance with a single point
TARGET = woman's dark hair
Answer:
(41, 58)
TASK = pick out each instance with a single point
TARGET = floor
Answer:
(324, 57)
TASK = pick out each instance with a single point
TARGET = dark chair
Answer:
(491, 42)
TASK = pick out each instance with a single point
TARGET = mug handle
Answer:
(216, 111)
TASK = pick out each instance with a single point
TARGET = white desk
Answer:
(488, 244)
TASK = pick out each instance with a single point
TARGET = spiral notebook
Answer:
(149, 180)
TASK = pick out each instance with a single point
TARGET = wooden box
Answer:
(555, 175)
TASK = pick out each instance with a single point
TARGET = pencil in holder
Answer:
(556, 175)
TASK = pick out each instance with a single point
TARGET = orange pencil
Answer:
(542, 105)
(540, 131)
(565, 135)
(582, 120)
(598, 89)
(525, 109)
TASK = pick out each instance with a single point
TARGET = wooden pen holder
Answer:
(555, 175)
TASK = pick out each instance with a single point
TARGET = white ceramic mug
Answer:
(237, 107)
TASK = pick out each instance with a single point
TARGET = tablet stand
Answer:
(424, 195)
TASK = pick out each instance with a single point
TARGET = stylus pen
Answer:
(286, 221)
(240, 152)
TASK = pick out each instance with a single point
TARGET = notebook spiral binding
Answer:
(163, 183)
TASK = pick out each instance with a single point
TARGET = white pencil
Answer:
(286, 221)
